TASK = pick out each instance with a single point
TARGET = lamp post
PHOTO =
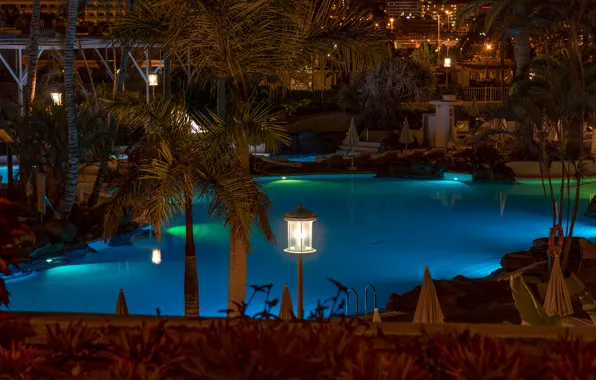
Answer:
(391, 19)
(447, 65)
(56, 98)
(300, 243)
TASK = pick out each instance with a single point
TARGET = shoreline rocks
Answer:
(487, 300)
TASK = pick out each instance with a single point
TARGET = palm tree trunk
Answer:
(167, 77)
(237, 275)
(521, 49)
(72, 175)
(238, 251)
(191, 282)
(110, 136)
(33, 50)
(222, 98)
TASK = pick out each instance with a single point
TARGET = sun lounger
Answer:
(281, 161)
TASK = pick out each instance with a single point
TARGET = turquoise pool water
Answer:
(370, 231)
(4, 172)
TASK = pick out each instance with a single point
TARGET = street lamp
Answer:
(56, 98)
(447, 65)
(152, 80)
(300, 243)
(391, 19)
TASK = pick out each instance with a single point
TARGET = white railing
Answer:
(484, 94)
(297, 95)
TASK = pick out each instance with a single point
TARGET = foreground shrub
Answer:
(19, 362)
(245, 349)
(570, 359)
(468, 356)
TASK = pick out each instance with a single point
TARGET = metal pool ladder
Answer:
(348, 299)
(366, 298)
(352, 290)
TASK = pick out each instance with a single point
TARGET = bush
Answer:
(249, 349)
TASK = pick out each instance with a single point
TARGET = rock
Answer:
(47, 250)
(121, 240)
(541, 243)
(59, 230)
(128, 238)
(517, 260)
(456, 295)
(591, 211)
(76, 251)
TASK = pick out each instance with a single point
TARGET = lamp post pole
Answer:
(299, 244)
(300, 289)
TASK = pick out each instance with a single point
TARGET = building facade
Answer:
(403, 8)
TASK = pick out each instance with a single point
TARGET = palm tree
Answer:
(174, 163)
(33, 50)
(119, 81)
(556, 100)
(68, 195)
(508, 19)
(237, 44)
(379, 95)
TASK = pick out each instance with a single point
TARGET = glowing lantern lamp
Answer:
(300, 243)
(152, 80)
(156, 256)
(56, 98)
(447, 62)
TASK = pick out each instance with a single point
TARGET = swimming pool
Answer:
(370, 231)
(4, 172)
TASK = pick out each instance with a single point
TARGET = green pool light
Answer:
(202, 232)
(48, 260)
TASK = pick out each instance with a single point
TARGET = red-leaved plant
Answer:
(19, 362)
(372, 364)
(149, 345)
(570, 359)
(245, 349)
(467, 356)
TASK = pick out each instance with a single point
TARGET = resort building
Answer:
(403, 8)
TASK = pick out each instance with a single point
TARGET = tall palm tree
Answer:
(238, 44)
(174, 163)
(68, 195)
(555, 101)
(33, 50)
(119, 81)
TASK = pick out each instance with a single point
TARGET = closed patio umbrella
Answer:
(121, 308)
(557, 300)
(376, 316)
(428, 309)
(286, 310)
(405, 136)
(352, 136)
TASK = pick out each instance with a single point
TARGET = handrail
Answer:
(348, 300)
(366, 298)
